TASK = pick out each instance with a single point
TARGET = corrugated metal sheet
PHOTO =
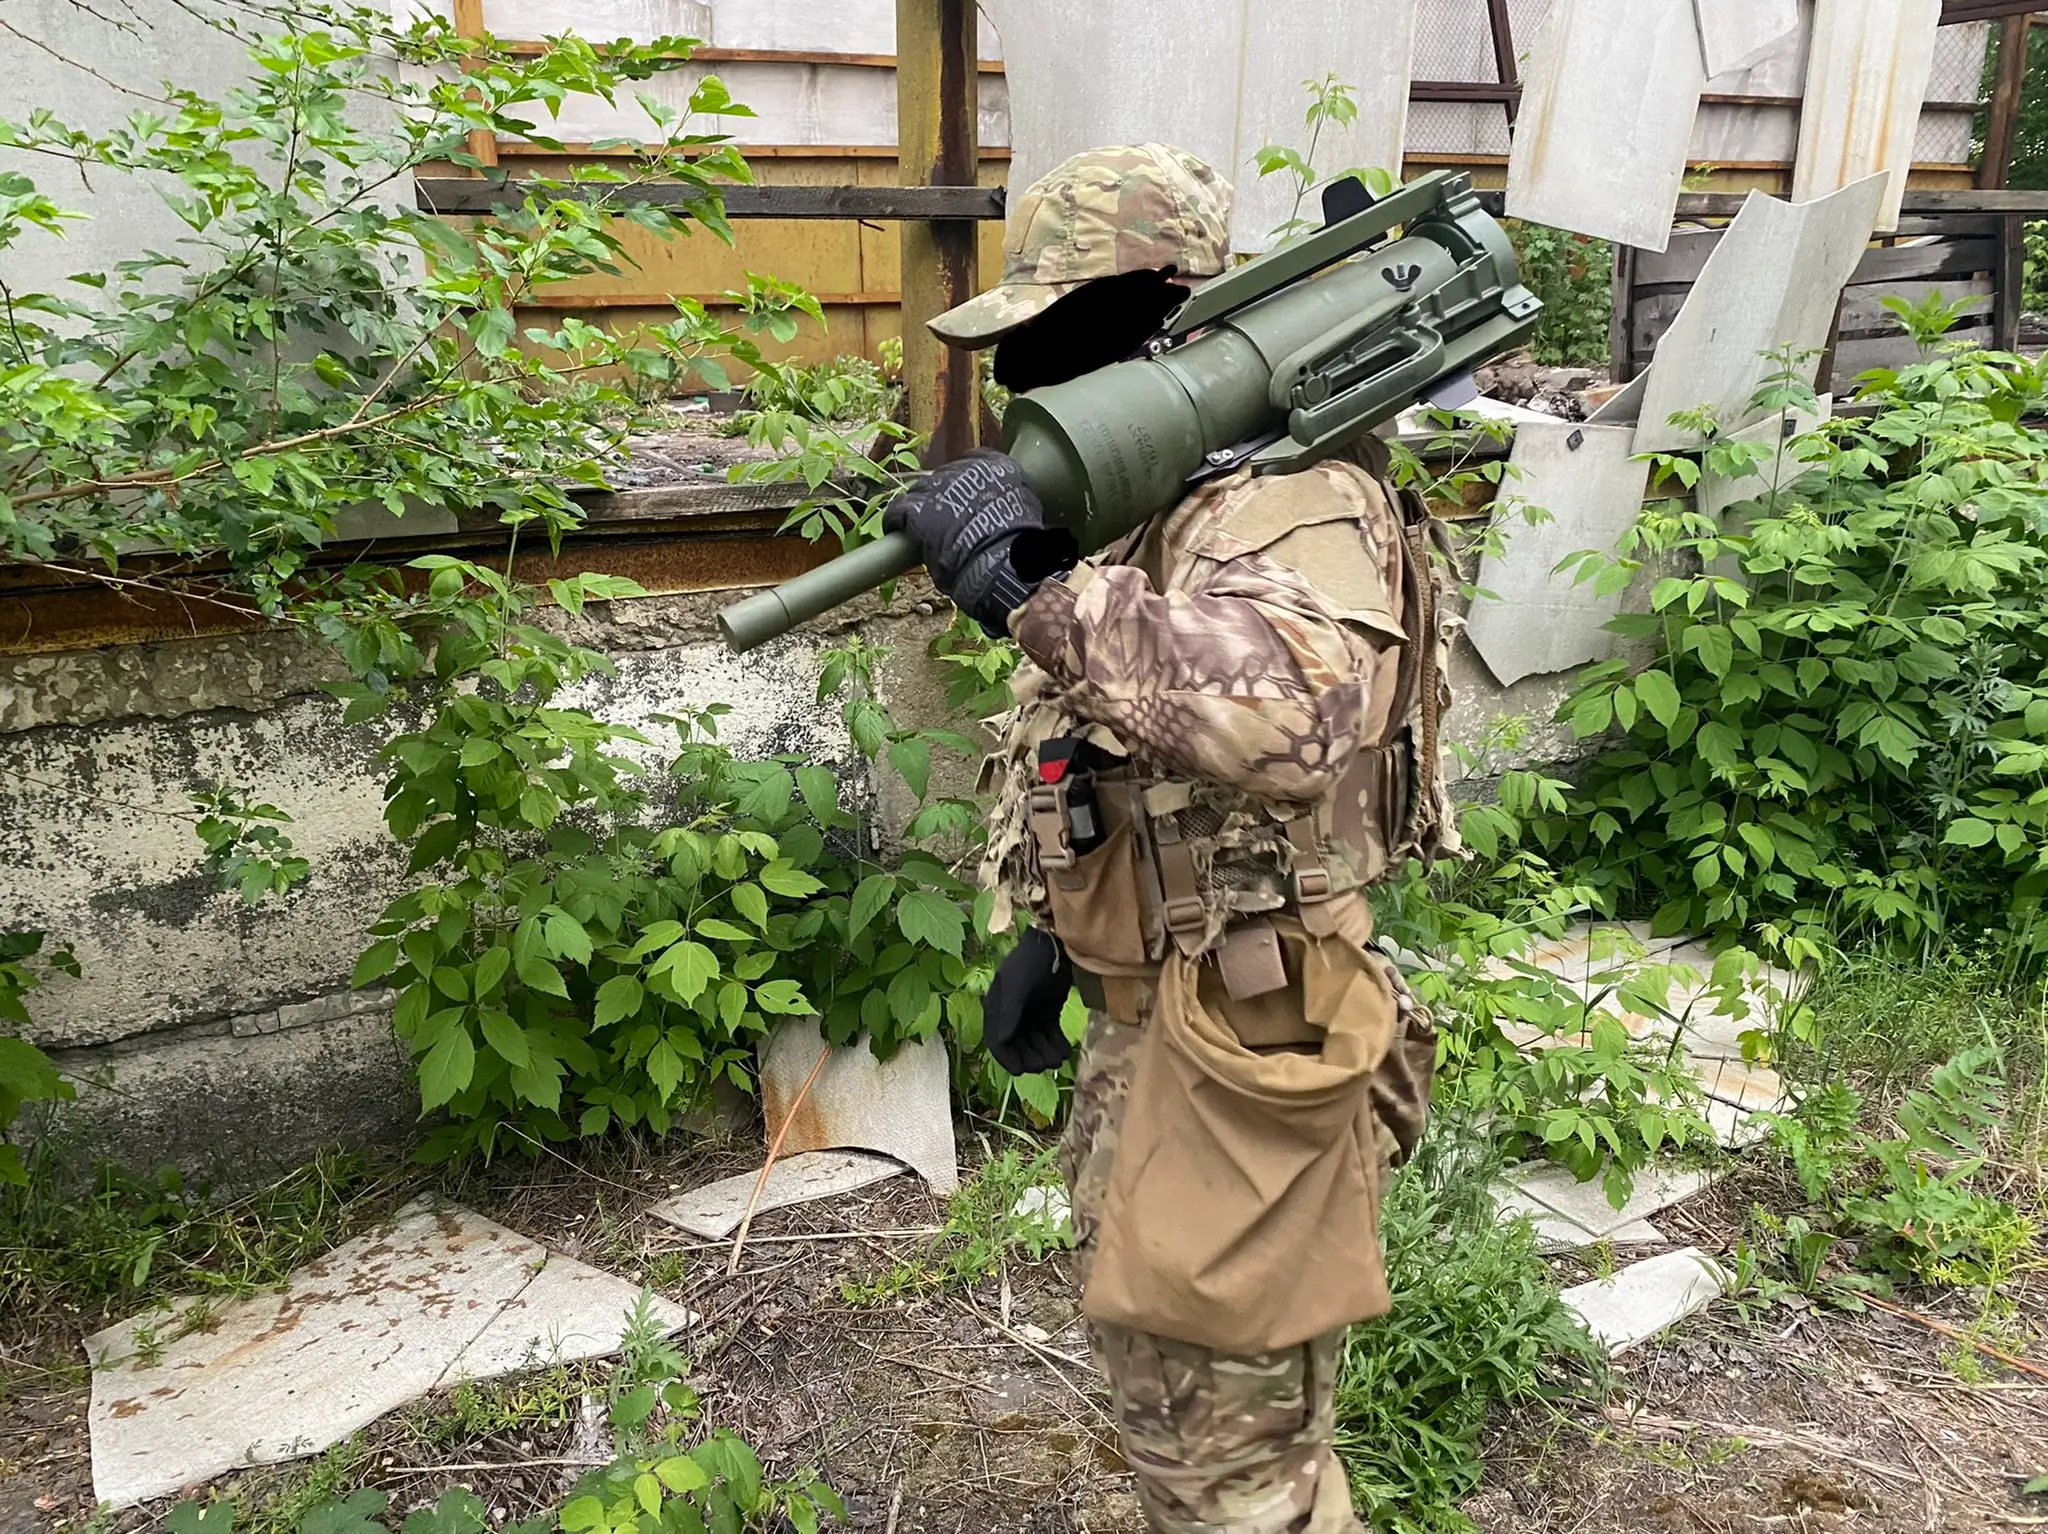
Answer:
(1772, 281)
(1220, 80)
(1736, 33)
(1868, 74)
(1607, 118)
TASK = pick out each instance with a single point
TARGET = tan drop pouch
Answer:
(1099, 905)
(1243, 1209)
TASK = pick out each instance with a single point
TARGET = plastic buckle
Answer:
(1047, 808)
(1188, 915)
(1313, 887)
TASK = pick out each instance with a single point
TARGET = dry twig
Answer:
(739, 1241)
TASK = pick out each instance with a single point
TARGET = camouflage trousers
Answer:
(1220, 1443)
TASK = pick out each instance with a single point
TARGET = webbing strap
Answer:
(1185, 916)
(1313, 887)
(1431, 700)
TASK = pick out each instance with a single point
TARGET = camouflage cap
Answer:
(1105, 212)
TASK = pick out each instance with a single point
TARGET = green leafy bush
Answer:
(591, 950)
(1842, 727)
(1476, 1326)
(1909, 1202)
(26, 1073)
(1574, 276)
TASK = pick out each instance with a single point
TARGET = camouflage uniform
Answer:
(1247, 654)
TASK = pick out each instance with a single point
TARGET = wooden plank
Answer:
(2009, 284)
(1995, 169)
(1855, 357)
(1620, 355)
(1990, 204)
(1864, 316)
(530, 47)
(937, 116)
(955, 202)
(1681, 262)
(1947, 258)
(469, 22)
(1505, 66)
(573, 150)
(1955, 12)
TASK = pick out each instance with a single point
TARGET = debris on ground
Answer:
(439, 1295)
(901, 1107)
(716, 1210)
(1648, 1298)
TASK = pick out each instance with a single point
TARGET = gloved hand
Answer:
(967, 515)
(1020, 1016)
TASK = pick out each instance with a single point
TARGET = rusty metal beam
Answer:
(937, 129)
(1504, 67)
(963, 202)
(1956, 12)
(2003, 124)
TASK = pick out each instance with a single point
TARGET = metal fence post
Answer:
(937, 137)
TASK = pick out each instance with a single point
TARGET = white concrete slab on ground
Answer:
(1533, 621)
(1648, 1298)
(715, 1210)
(1586, 1205)
(1773, 281)
(1609, 97)
(439, 1295)
(900, 1107)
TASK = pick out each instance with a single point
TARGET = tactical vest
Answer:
(1180, 862)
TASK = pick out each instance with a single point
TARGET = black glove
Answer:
(967, 515)
(1020, 1016)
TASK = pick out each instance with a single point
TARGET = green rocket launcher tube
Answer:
(1275, 366)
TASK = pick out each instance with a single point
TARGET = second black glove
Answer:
(1020, 1016)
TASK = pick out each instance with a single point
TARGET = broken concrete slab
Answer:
(1648, 1298)
(1586, 1205)
(1773, 282)
(900, 1107)
(1532, 621)
(715, 1210)
(1554, 1232)
(438, 1294)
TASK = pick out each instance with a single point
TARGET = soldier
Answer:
(1226, 730)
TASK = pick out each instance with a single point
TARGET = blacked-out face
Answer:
(1099, 323)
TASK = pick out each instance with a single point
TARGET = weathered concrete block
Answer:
(236, 1110)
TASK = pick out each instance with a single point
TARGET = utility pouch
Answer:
(1243, 1207)
(1090, 834)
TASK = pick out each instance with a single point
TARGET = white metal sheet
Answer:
(1534, 621)
(1865, 81)
(1772, 282)
(792, 104)
(1218, 80)
(1735, 34)
(1610, 94)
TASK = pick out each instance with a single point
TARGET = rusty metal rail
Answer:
(468, 194)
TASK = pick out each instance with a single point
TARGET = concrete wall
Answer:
(226, 1039)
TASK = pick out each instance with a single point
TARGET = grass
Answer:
(127, 1240)
(1015, 1206)
(1476, 1326)
(1883, 1023)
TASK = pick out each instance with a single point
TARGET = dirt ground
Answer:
(957, 1414)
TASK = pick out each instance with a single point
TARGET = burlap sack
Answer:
(1243, 1209)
